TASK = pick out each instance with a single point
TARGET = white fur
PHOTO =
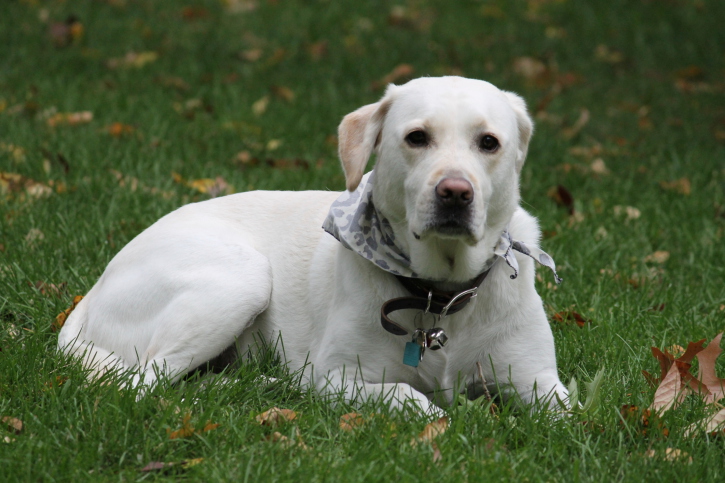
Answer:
(258, 264)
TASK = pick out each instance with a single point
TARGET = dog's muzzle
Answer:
(452, 215)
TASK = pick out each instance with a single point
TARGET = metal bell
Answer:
(436, 338)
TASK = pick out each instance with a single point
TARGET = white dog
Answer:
(431, 229)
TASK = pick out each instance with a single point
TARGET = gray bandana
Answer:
(355, 222)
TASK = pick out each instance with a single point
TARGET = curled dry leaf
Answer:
(285, 442)
(570, 316)
(350, 421)
(431, 431)
(562, 197)
(212, 187)
(13, 185)
(63, 316)
(631, 212)
(581, 121)
(275, 417)
(13, 424)
(670, 392)
(188, 430)
(50, 289)
(118, 129)
(284, 93)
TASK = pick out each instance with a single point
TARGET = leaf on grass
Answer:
(212, 187)
(118, 129)
(660, 256)
(350, 421)
(570, 316)
(251, 55)
(562, 197)
(714, 424)
(260, 106)
(13, 424)
(50, 289)
(606, 54)
(133, 60)
(581, 121)
(431, 431)
(286, 442)
(275, 417)
(631, 212)
(188, 430)
(69, 118)
(65, 33)
(284, 93)
(63, 316)
(706, 373)
(530, 68)
(13, 185)
(671, 391)
(682, 186)
(317, 50)
(670, 454)
(400, 73)
(642, 419)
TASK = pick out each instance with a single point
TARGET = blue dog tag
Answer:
(411, 357)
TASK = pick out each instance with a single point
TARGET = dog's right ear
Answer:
(357, 136)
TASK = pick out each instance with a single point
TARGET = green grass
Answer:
(650, 131)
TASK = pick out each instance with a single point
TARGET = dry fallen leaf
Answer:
(285, 442)
(682, 186)
(631, 212)
(50, 289)
(63, 316)
(598, 167)
(275, 416)
(570, 315)
(212, 187)
(660, 256)
(13, 424)
(581, 121)
(706, 373)
(16, 186)
(284, 93)
(161, 466)
(562, 197)
(260, 106)
(431, 431)
(670, 393)
(713, 424)
(132, 59)
(118, 129)
(670, 454)
(350, 421)
(69, 118)
(188, 430)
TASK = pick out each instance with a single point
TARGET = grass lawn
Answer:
(115, 112)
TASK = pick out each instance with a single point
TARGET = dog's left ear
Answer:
(357, 136)
(525, 124)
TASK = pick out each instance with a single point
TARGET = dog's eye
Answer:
(488, 143)
(417, 139)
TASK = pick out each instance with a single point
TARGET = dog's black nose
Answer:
(454, 192)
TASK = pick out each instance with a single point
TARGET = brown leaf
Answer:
(581, 121)
(185, 431)
(13, 185)
(69, 118)
(682, 186)
(660, 256)
(400, 73)
(713, 424)
(706, 373)
(436, 453)
(670, 454)
(562, 197)
(350, 421)
(284, 93)
(670, 393)
(63, 316)
(118, 129)
(212, 187)
(251, 55)
(284, 441)
(570, 315)
(162, 467)
(13, 424)
(275, 417)
(530, 68)
(65, 33)
(50, 289)
(431, 431)
(318, 50)
(134, 60)
(644, 419)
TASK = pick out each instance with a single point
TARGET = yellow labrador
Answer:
(424, 266)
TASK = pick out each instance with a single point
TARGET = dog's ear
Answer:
(357, 136)
(525, 124)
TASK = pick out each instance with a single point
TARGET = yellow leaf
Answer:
(431, 431)
(275, 417)
(260, 106)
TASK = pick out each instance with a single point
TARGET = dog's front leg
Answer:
(355, 390)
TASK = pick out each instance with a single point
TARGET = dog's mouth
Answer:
(449, 229)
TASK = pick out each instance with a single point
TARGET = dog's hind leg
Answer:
(170, 306)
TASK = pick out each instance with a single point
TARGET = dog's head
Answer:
(449, 153)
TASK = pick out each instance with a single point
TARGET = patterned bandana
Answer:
(355, 222)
